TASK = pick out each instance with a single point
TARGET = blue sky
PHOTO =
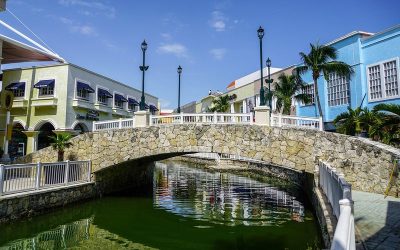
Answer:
(215, 42)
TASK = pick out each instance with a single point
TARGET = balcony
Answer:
(82, 103)
(20, 103)
(44, 101)
(120, 112)
(102, 107)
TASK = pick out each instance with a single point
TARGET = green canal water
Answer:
(184, 208)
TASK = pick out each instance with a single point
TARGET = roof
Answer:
(17, 52)
(353, 33)
(231, 85)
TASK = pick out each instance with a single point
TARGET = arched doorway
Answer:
(45, 132)
(17, 144)
(81, 128)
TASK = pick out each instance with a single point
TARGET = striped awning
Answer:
(120, 98)
(81, 85)
(15, 86)
(133, 101)
(44, 83)
(103, 92)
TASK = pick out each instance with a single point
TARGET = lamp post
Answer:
(269, 84)
(260, 33)
(143, 68)
(179, 88)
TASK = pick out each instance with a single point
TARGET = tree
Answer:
(221, 104)
(388, 127)
(60, 143)
(321, 59)
(349, 122)
(289, 87)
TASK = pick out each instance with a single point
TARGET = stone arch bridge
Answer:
(365, 164)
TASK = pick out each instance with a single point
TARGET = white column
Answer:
(257, 100)
(244, 107)
(232, 107)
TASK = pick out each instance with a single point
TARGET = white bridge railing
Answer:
(218, 118)
(114, 124)
(338, 192)
(279, 120)
(19, 178)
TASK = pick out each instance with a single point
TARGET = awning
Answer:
(103, 92)
(146, 106)
(81, 85)
(132, 102)
(120, 98)
(153, 108)
(44, 83)
(15, 86)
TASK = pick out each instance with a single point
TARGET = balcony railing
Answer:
(279, 120)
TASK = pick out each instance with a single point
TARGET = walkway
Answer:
(377, 220)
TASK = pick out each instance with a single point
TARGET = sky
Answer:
(215, 42)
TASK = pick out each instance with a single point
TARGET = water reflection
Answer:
(223, 198)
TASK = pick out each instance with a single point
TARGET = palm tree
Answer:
(289, 87)
(388, 128)
(321, 59)
(221, 104)
(349, 122)
(60, 143)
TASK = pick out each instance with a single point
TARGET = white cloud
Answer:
(165, 104)
(92, 8)
(218, 53)
(176, 49)
(218, 20)
(166, 36)
(84, 30)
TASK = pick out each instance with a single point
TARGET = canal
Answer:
(184, 208)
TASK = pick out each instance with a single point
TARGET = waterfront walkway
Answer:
(377, 220)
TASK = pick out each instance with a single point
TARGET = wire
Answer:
(19, 20)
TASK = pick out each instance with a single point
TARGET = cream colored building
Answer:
(63, 98)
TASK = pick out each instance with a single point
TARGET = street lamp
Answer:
(143, 68)
(179, 89)
(269, 84)
(260, 33)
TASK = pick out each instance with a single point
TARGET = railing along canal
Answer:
(19, 178)
(278, 120)
(114, 124)
(218, 118)
(338, 192)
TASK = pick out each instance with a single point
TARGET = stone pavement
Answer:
(377, 220)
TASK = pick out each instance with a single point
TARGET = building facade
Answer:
(375, 61)
(63, 98)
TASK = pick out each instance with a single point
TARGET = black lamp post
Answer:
(143, 68)
(269, 84)
(179, 89)
(260, 33)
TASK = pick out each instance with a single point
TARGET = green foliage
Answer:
(288, 87)
(220, 104)
(321, 59)
(60, 143)
(382, 123)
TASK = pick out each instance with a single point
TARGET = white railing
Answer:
(216, 118)
(338, 192)
(114, 124)
(19, 178)
(279, 120)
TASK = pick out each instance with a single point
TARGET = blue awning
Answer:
(44, 83)
(132, 102)
(103, 92)
(16, 85)
(146, 106)
(81, 85)
(153, 108)
(120, 98)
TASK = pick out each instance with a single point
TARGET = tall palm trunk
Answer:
(318, 101)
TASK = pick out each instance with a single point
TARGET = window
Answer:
(338, 90)
(309, 89)
(383, 80)
(102, 99)
(119, 103)
(131, 106)
(46, 91)
(102, 96)
(83, 94)
(19, 92)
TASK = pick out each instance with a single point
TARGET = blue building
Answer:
(376, 78)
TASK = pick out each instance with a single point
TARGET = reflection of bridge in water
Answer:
(223, 198)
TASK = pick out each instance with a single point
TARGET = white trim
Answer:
(89, 127)
(25, 91)
(40, 123)
(124, 106)
(76, 97)
(20, 122)
(54, 89)
(97, 96)
(382, 78)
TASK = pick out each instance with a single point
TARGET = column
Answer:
(244, 106)
(257, 100)
(232, 107)
(31, 143)
(142, 118)
(262, 115)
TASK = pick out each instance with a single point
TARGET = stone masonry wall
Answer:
(365, 164)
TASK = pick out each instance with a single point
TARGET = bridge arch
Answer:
(365, 164)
